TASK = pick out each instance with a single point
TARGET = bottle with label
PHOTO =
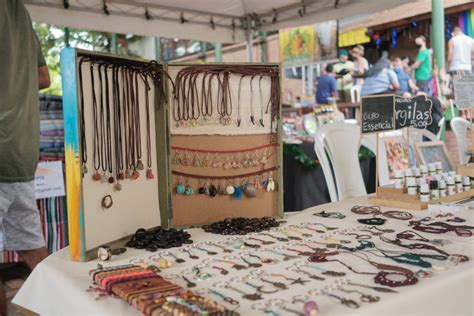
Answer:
(408, 175)
(419, 182)
(458, 182)
(424, 192)
(439, 167)
(434, 190)
(411, 185)
(432, 169)
(416, 172)
(466, 183)
(451, 186)
(399, 183)
(424, 170)
(442, 188)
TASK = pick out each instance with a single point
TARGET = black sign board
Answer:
(377, 113)
(413, 112)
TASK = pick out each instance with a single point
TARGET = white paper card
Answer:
(49, 180)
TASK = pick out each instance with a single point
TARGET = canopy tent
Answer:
(224, 21)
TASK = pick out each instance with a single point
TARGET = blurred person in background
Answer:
(460, 49)
(361, 65)
(327, 86)
(343, 69)
(422, 64)
(407, 87)
(380, 79)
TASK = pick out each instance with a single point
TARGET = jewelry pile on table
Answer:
(300, 269)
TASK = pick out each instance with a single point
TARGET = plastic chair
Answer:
(442, 128)
(325, 165)
(341, 142)
(460, 127)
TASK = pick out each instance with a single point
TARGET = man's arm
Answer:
(416, 65)
(393, 79)
(43, 78)
(412, 86)
(450, 52)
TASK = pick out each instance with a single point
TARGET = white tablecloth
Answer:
(58, 286)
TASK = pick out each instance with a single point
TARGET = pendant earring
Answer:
(221, 190)
(180, 189)
(189, 190)
(135, 175)
(118, 187)
(121, 176)
(103, 178)
(250, 190)
(140, 165)
(149, 174)
(96, 176)
(212, 190)
(238, 193)
(84, 169)
(128, 173)
(111, 179)
(270, 184)
(230, 189)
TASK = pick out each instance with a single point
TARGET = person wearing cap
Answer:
(361, 65)
(343, 69)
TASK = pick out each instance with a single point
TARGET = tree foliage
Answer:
(53, 40)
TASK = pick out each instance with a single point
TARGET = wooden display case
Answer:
(146, 203)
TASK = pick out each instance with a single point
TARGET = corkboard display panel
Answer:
(90, 224)
(200, 209)
(250, 97)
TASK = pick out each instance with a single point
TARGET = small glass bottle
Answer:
(416, 172)
(399, 180)
(451, 185)
(424, 170)
(439, 167)
(442, 188)
(466, 183)
(411, 185)
(434, 190)
(432, 169)
(458, 181)
(424, 192)
(408, 175)
(419, 182)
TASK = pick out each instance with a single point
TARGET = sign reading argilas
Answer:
(389, 112)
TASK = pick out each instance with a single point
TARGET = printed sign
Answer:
(49, 180)
(377, 114)
(297, 46)
(464, 91)
(413, 112)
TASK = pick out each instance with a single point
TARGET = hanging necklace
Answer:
(83, 125)
(149, 171)
(95, 140)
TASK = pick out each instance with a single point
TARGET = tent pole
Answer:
(249, 40)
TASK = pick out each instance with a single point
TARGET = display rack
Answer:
(253, 133)
(224, 140)
(87, 83)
